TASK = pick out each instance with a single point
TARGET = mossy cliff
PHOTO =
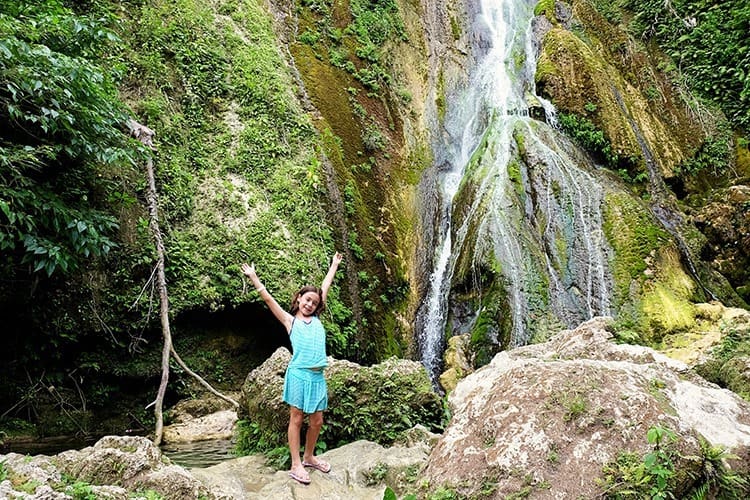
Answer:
(354, 60)
(289, 130)
(625, 101)
(595, 70)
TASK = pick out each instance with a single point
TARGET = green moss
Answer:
(253, 179)
(634, 235)
(491, 329)
(514, 174)
(545, 69)
(455, 28)
(440, 99)
(667, 312)
(546, 8)
(652, 291)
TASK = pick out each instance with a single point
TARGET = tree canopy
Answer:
(63, 125)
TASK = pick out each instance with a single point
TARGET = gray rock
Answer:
(554, 414)
(359, 470)
(219, 425)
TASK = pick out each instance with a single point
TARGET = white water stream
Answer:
(549, 237)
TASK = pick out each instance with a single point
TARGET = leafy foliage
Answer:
(715, 479)
(712, 157)
(62, 124)
(708, 41)
(654, 475)
(236, 169)
(589, 137)
(381, 413)
(649, 477)
(373, 25)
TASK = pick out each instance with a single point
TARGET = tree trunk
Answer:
(161, 283)
(145, 135)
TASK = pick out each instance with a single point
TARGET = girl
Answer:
(305, 387)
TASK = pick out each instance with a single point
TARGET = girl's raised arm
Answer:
(328, 280)
(284, 317)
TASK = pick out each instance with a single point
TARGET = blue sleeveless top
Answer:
(308, 344)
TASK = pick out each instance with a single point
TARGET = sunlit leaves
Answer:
(709, 43)
(61, 122)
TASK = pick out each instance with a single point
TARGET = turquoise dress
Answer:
(304, 384)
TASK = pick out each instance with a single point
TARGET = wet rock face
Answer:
(726, 224)
(553, 415)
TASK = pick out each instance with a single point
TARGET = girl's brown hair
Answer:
(308, 288)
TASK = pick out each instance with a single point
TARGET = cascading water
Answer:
(511, 197)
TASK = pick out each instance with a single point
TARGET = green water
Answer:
(189, 455)
(200, 453)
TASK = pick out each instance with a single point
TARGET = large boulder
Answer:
(218, 425)
(116, 467)
(546, 419)
(376, 403)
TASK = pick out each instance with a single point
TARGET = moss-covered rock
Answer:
(727, 363)
(666, 302)
(376, 403)
(725, 220)
(457, 361)
(595, 70)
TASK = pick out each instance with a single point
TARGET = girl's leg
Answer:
(293, 432)
(313, 431)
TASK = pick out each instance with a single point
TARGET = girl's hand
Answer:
(248, 271)
(337, 258)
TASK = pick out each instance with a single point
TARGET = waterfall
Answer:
(513, 198)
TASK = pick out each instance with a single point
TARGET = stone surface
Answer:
(115, 467)
(219, 425)
(190, 409)
(552, 415)
(542, 420)
(359, 470)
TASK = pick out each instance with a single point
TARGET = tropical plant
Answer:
(714, 478)
(708, 42)
(650, 476)
(63, 127)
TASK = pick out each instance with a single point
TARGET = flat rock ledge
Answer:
(126, 467)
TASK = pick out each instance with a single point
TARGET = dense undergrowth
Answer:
(240, 173)
(237, 167)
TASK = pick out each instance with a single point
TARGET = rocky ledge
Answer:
(555, 420)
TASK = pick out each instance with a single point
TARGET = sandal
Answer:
(318, 464)
(299, 478)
